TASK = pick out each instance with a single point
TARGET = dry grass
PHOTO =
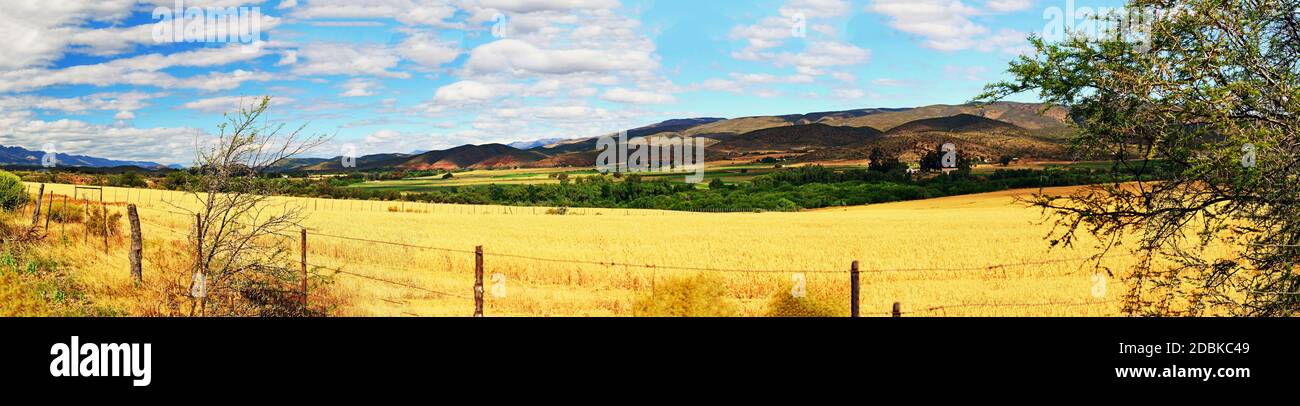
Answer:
(958, 232)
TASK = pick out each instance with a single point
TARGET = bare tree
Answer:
(242, 233)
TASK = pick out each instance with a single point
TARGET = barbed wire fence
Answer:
(477, 295)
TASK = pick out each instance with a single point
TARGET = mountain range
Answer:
(1025, 130)
(19, 156)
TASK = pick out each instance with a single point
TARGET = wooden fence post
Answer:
(137, 247)
(63, 225)
(478, 281)
(854, 289)
(898, 309)
(85, 209)
(103, 207)
(36, 211)
(304, 270)
(48, 211)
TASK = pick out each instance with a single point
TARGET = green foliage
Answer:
(12, 193)
(128, 179)
(788, 190)
(885, 162)
(932, 161)
(1210, 83)
(688, 296)
(179, 180)
(717, 183)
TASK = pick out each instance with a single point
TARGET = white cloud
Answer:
(816, 8)
(347, 59)
(466, 91)
(531, 6)
(120, 102)
(410, 12)
(945, 25)
(38, 33)
(144, 70)
(359, 87)
(230, 104)
(519, 57)
(1007, 6)
(165, 145)
(427, 50)
(288, 57)
(621, 95)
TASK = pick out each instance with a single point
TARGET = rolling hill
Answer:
(957, 123)
(1023, 115)
(798, 138)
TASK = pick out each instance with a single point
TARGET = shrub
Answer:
(66, 213)
(558, 211)
(95, 223)
(12, 193)
(694, 296)
(785, 305)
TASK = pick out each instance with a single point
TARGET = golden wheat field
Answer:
(935, 257)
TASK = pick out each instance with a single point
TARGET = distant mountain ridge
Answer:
(19, 156)
(1005, 128)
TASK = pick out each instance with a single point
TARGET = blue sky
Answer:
(94, 77)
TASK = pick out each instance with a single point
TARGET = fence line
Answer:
(1003, 305)
(993, 267)
(896, 312)
(689, 268)
(339, 270)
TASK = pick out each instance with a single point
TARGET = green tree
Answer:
(882, 161)
(717, 184)
(1209, 102)
(128, 179)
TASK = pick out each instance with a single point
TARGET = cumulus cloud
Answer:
(347, 60)
(946, 25)
(143, 70)
(467, 91)
(164, 145)
(227, 104)
(621, 95)
(359, 87)
(427, 50)
(519, 57)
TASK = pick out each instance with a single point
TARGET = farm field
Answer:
(728, 173)
(936, 257)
